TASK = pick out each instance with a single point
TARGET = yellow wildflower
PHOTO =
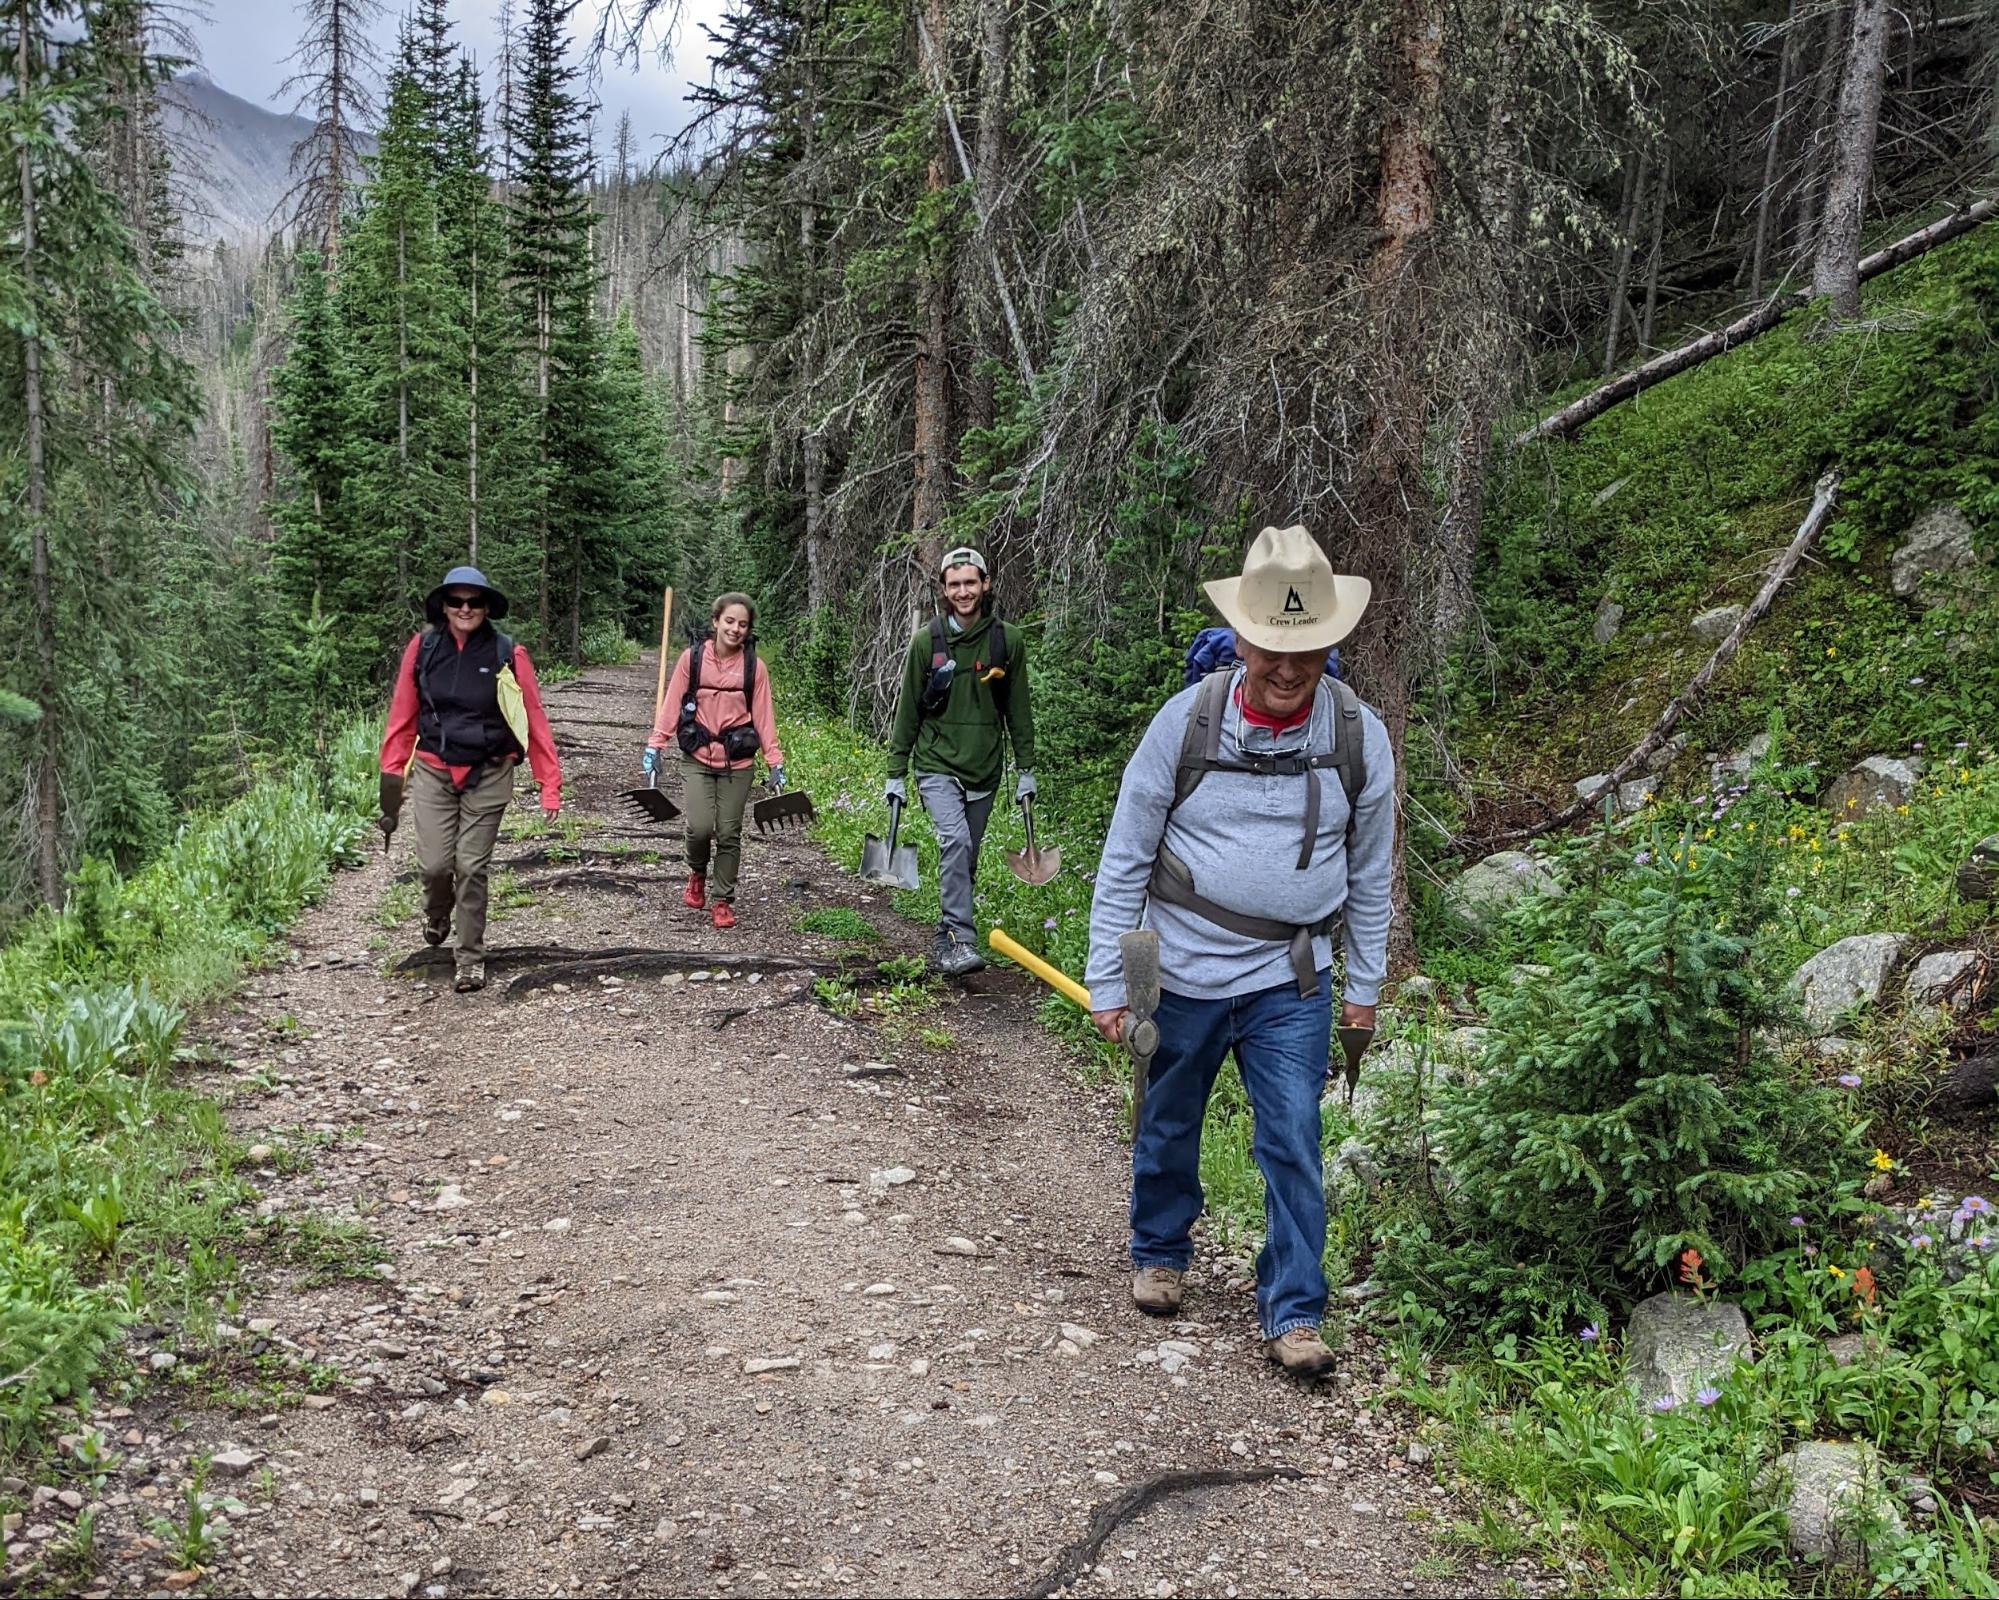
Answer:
(1881, 1161)
(1835, 1272)
(1831, 650)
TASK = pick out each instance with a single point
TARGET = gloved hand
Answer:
(895, 790)
(391, 803)
(777, 779)
(649, 762)
(1024, 788)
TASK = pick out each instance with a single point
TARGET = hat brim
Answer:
(1350, 598)
(433, 603)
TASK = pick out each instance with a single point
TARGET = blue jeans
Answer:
(1280, 1044)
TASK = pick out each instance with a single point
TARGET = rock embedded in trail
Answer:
(756, 1366)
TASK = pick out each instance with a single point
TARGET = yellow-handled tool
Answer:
(1053, 976)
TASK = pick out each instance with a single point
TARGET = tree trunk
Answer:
(403, 414)
(988, 149)
(1627, 228)
(472, 431)
(48, 792)
(933, 396)
(1766, 199)
(1836, 273)
(812, 446)
(1392, 497)
(1646, 319)
(1812, 137)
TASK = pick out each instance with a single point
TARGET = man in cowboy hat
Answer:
(1256, 821)
(964, 697)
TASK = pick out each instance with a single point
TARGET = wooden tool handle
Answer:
(665, 634)
(1054, 977)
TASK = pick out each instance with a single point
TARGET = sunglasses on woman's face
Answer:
(465, 602)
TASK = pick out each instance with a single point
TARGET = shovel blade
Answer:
(1034, 866)
(891, 871)
(782, 811)
(650, 804)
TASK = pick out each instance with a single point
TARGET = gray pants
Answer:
(960, 824)
(455, 834)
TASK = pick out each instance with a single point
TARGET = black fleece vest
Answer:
(458, 698)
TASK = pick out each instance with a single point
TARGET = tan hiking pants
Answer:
(455, 833)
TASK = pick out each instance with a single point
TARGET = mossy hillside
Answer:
(1677, 501)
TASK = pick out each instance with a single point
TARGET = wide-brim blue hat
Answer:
(464, 578)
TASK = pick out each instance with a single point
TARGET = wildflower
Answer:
(1835, 1272)
(1793, 892)
(1707, 1396)
(1643, 858)
(38, 1078)
(1863, 1285)
(1589, 1334)
(1749, 827)
(1976, 1205)
(1849, 1080)
(1814, 845)
(1920, 1241)
(1901, 811)
(1048, 923)
(1797, 1222)
(1690, 1268)
(1811, 1252)
(1831, 650)
(1916, 682)
(1881, 1161)
(1985, 1241)
(1663, 1404)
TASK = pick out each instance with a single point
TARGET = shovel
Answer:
(1032, 865)
(890, 865)
(1353, 1044)
(1139, 951)
(648, 802)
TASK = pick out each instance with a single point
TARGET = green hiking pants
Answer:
(455, 833)
(715, 802)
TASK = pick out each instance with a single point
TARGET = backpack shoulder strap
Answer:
(505, 641)
(940, 640)
(750, 673)
(999, 658)
(1349, 752)
(1201, 744)
(694, 665)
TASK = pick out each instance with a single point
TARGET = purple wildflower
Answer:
(1976, 1205)
(1793, 892)
(1048, 923)
(1643, 858)
(1849, 1080)
(1920, 1241)
(1811, 1251)
(1797, 1222)
(1708, 1396)
(1663, 1404)
(1589, 1334)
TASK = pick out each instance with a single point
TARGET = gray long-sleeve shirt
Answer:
(1239, 835)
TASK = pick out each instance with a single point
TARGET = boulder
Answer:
(1978, 878)
(1669, 752)
(1609, 618)
(1937, 561)
(1711, 627)
(1944, 979)
(1835, 1502)
(1484, 891)
(1872, 783)
(1844, 975)
(1676, 1345)
(1732, 769)
(1637, 794)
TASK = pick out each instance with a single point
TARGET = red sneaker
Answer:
(722, 915)
(696, 895)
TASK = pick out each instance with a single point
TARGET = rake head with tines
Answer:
(782, 811)
(649, 803)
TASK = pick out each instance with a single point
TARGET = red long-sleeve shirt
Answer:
(399, 738)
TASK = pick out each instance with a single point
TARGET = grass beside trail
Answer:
(121, 1194)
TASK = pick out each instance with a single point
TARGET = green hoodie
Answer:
(963, 740)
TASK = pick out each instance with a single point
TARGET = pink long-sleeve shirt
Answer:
(718, 705)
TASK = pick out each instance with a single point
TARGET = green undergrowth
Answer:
(1675, 502)
(121, 1198)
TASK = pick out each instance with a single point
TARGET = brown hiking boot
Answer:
(1302, 1353)
(1156, 1290)
(435, 933)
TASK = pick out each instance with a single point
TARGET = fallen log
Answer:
(1689, 697)
(518, 955)
(643, 963)
(1578, 413)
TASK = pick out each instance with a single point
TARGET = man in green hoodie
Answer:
(965, 677)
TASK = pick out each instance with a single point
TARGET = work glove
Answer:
(894, 790)
(1024, 788)
(649, 762)
(391, 802)
(777, 779)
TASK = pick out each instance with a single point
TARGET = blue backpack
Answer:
(1214, 649)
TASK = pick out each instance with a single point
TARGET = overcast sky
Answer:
(245, 43)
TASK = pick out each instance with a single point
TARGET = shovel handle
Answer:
(1053, 976)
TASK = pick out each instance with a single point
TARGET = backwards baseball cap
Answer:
(963, 556)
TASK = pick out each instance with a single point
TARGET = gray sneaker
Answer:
(1156, 1290)
(471, 977)
(955, 958)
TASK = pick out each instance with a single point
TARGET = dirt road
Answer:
(688, 1286)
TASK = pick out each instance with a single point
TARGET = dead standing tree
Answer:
(335, 68)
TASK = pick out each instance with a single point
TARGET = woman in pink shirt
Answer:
(721, 726)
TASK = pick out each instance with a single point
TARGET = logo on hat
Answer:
(1291, 602)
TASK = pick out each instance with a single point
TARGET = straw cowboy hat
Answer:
(1288, 597)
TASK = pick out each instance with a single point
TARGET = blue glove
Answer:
(777, 780)
(894, 790)
(1024, 788)
(649, 764)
